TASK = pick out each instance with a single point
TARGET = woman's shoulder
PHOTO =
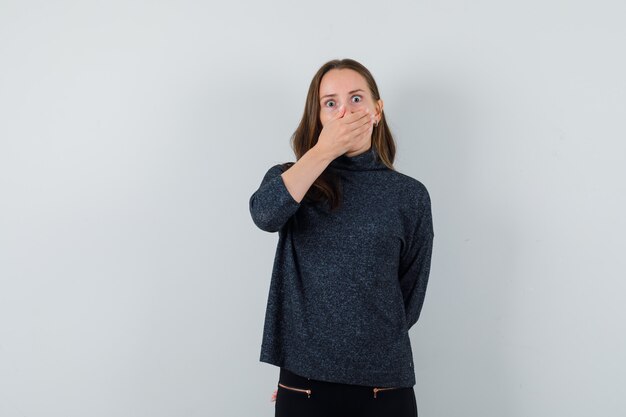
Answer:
(408, 193)
(408, 183)
(277, 169)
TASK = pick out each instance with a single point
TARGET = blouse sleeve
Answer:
(271, 205)
(415, 260)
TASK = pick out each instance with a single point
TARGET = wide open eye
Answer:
(359, 97)
(330, 101)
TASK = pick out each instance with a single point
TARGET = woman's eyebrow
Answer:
(331, 95)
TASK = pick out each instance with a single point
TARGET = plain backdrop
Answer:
(133, 281)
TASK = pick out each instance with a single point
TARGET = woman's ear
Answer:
(379, 110)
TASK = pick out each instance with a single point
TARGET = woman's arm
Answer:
(415, 263)
(280, 193)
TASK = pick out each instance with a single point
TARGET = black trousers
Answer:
(298, 396)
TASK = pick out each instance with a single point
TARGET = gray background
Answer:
(132, 133)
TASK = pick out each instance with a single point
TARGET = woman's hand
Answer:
(346, 132)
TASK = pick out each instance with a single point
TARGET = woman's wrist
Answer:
(321, 154)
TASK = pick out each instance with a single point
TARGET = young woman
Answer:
(353, 257)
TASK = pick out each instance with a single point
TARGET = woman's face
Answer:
(346, 88)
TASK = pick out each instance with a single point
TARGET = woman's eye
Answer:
(331, 103)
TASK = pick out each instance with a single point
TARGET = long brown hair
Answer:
(327, 187)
